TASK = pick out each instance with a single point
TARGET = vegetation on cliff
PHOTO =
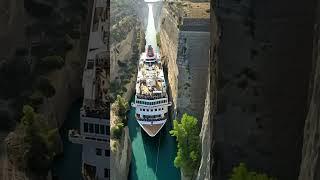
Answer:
(242, 173)
(120, 108)
(33, 144)
(127, 69)
(158, 40)
(187, 133)
(49, 36)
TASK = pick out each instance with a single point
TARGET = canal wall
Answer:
(310, 161)
(66, 81)
(185, 43)
(262, 96)
(124, 53)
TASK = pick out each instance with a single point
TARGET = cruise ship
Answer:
(94, 132)
(151, 98)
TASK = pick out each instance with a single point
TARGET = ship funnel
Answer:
(150, 51)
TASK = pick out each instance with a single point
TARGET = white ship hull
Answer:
(151, 99)
(152, 129)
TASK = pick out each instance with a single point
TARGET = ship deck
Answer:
(152, 130)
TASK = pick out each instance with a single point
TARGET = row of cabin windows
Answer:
(159, 109)
(152, 103)
(106, 173)
(96, 128)
(99, 152)
(152, 116)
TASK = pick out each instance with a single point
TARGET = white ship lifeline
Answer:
(151, 99)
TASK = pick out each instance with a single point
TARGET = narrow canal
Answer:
(152, 158)
(68, 166)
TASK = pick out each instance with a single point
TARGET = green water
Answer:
(68, 166)
(144, 164)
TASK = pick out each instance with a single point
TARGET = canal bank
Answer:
(68, 165)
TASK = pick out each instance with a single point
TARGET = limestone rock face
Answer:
(121, 158)
(12, 21)
(185, 44)
(67, 83)
(264, 63)
(310, 164)
(205, 171)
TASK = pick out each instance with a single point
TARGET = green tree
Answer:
(116, 131)
(121, 107)
(187, 134)
(158, 40)
(33, 144)
(242, 173)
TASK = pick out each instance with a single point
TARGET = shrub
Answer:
(116, 131)
(241, 173)
(158, 40)
(187, 134)
(37, 143)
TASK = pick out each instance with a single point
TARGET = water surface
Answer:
(68, 166)
(152, 158)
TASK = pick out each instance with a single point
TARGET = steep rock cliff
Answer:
(206, 171)
(264, 61)
(66, 80)
(121, 157)
(310, 164)
(127, 42)
(184, 37)
(184, 43)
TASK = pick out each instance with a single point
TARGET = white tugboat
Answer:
(151, 99)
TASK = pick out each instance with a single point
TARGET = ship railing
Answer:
(151, 97)
(75, 137)
(151, 119)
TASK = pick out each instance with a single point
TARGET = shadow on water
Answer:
(68, 165)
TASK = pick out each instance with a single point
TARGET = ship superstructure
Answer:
(94, 133)
(151, 99)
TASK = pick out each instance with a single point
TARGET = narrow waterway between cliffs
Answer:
(152, 157)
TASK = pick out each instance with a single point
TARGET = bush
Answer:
(122, 105)
(116, 131)
(158, 40)
(37, 143)
(187, 134)
(241, 173)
